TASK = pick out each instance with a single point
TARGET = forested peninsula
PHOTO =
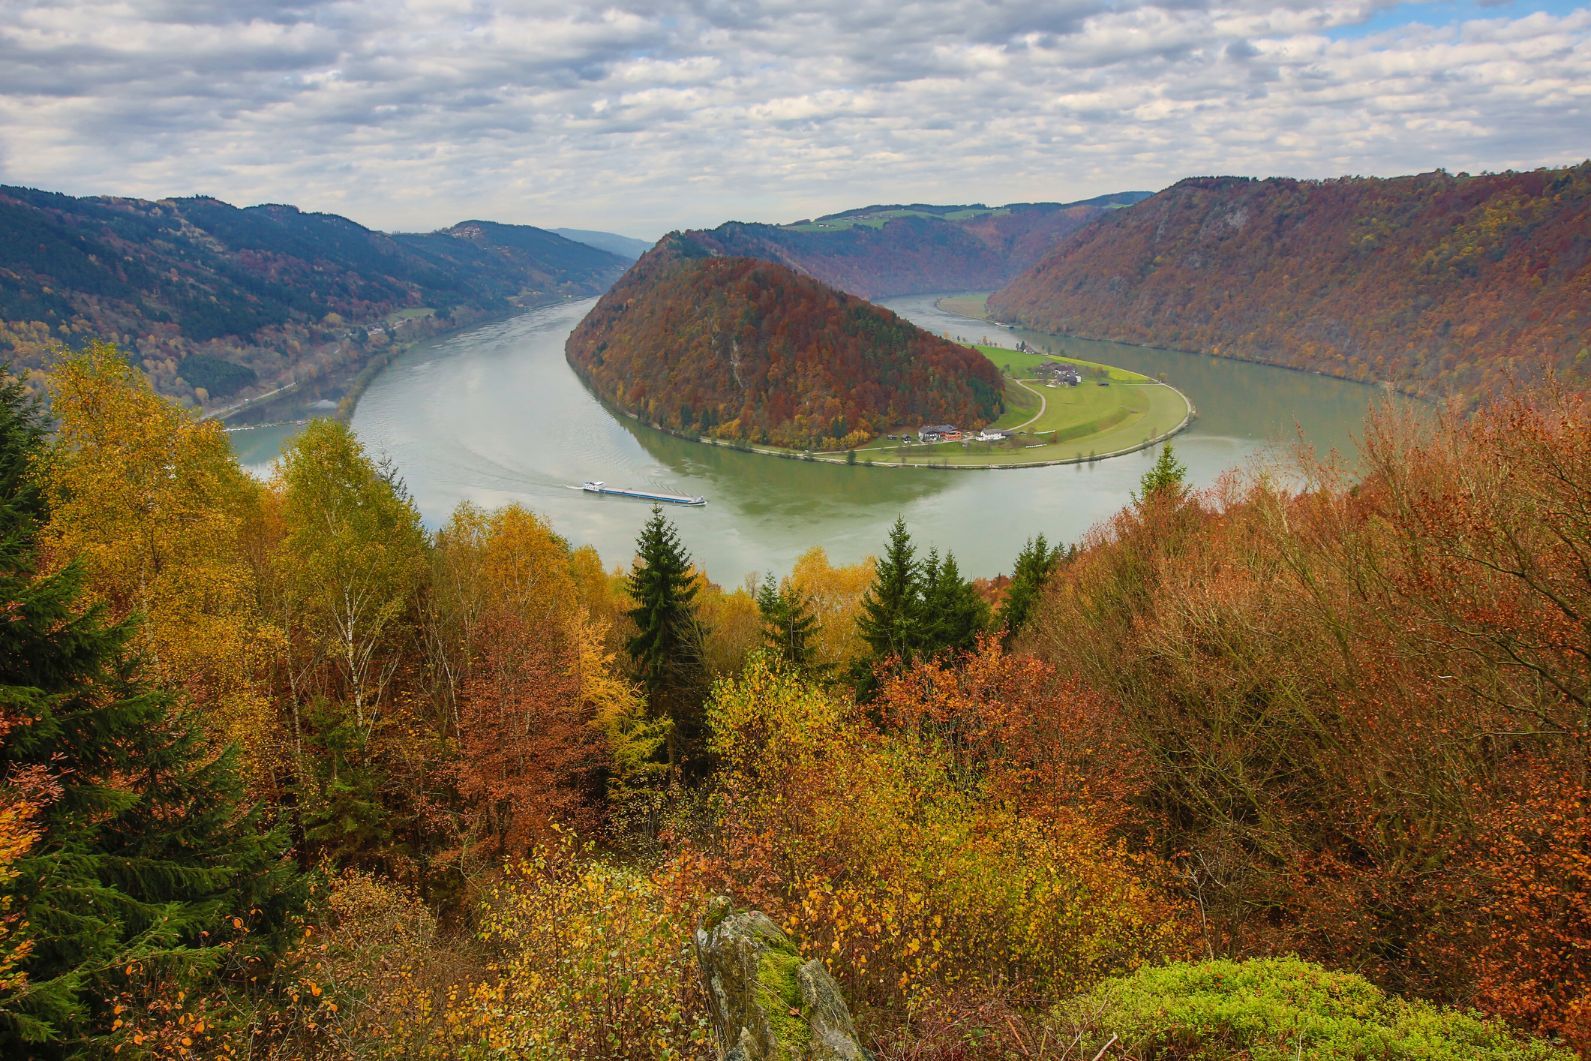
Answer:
(745, 350)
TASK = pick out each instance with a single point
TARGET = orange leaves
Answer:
(890, 855)
(1040, 741)
(1333, 690)
(749, 350)
(1524, 885)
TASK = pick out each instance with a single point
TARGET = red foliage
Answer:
(750, 350)
(1042, 741)
(531, 756)
(1433, 283)
(1363, 707)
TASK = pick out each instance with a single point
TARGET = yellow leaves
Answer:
(155, 505)
(592, 961)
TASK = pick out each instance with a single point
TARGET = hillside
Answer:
(743, 349)
(217, 302)
(885, 251)
(1436, 284)
(627, 247)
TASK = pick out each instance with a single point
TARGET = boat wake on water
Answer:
(598, 487)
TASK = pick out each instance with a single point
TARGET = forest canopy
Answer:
(1289, 766)
(1435, 284)
(748, 350)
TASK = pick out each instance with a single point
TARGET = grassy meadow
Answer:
(1113, 409)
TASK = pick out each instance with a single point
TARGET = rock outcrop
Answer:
(767, 1004)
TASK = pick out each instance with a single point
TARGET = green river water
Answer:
(495, 415)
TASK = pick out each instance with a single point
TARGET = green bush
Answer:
(1278, 1009)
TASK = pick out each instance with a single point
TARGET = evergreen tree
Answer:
(667, 646)
(788, 624)
(1032, 569)
(1167, 479)
(145, 850)
(953, 612)
(892, 615)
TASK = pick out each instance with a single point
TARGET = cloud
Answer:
(649, 114)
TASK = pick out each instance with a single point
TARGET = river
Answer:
(494, 415)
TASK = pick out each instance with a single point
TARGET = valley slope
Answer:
(1436, 284)
(217, 303)
(886, 251)
(698, 342)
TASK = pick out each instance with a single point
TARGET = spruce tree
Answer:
(145, 850)
(667, 646)
(788, 624)
(954, 613)
(891, 619)
(1031, 570)
(1166, 479)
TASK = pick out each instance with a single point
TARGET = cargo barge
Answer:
(642, 495)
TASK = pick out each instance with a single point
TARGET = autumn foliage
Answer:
(1436, 284)
(1254, 735)
(1363, 705)
(748, 350)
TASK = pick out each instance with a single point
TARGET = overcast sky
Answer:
(639, 117)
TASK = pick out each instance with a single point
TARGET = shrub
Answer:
(592, 960)
(1278, 1009)
(915, 885)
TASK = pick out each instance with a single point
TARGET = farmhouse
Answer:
(935, 432)
(1059, 372)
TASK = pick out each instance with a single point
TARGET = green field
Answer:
(880, 218)
(1112, 410)
(412, 313)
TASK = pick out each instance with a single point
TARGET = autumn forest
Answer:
(286, 774)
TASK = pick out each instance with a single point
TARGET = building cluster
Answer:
(951, 433)
(1059, 373)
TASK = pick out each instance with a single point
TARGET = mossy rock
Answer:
(767, 1003)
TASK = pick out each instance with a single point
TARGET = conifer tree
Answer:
(667, 646)
(953, 613)
(891, 619)
(1028, 575)
(145, 852)
(788, 624)
(1166, 479)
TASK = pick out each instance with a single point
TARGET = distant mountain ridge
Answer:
(696, 341)
(624, 246)
(216, 301)
(1435, 284)
(887, 251)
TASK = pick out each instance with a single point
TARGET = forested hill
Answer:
(884, 251)
(217, 302)
(1437, 284)
(744, 349)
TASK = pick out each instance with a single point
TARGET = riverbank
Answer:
(336, 393)
(976, 307)
(1112, 412)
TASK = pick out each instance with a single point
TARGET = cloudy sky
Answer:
(645, 115)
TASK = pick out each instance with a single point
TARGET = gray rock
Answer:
(766, 1003)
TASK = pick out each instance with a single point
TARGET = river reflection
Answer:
(495, 415)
